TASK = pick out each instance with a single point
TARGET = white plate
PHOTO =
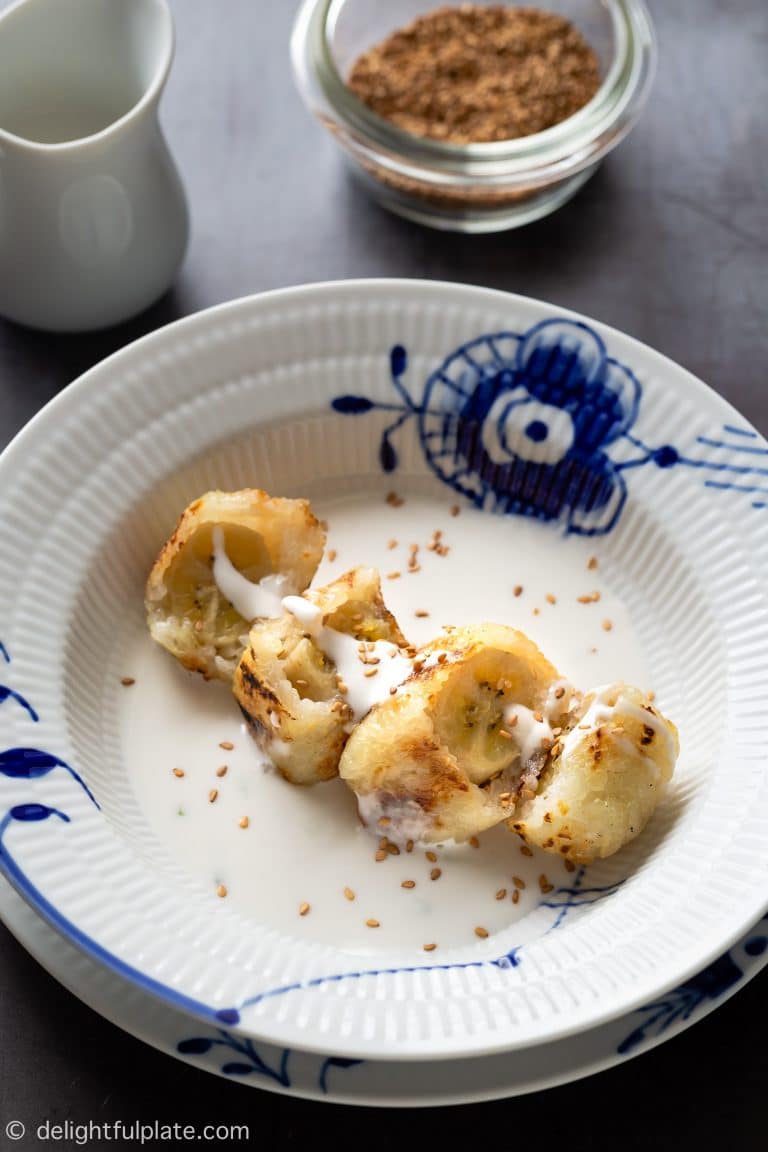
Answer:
(383, 1084)
(299, 392)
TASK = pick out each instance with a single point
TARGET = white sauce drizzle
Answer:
(531, 734)
(249, 599)
(601, 711)
(407, 819)
(362, 691)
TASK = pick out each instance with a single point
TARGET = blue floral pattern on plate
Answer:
(682, 1002)
(540, 424)
(252, 1062)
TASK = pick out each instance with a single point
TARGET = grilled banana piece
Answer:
(446, 755)
(289, 684)
(259, 536)
(605, 777)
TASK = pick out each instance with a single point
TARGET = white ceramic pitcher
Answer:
(93, 218)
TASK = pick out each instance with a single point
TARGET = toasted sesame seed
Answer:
(559, 692)
(537, 611)
(455, 510)
(383, 841)
(538, 717)
(394, 575)
(518, 883)
(592, 563)
(546, 743)
(127, 681)
(526, 851)
(384, 822)
(369, 672)
(222, 771)
(227, 745)
(570, 866)
(243, 822)
(436, 873)
(517, 590)
(303, 908)
(501, 894)
(371, 923)
(342, 686)
(481, 932)
(504, 734)
(331, 554)
(650, 696)
(414, 567)
(392, 544)
(607, 625)
(221, 890)
(515, 896)
(349, 894)
(589, 598)
(212, 795)
(393, 849)
(431, 856)
(380, 855)
(473, 842)
(179, 772)
(430, 947)
(198, 625)
(394, 500)
(511, 721)
(420, 613)
(442, 657)
(504, 798)
(550, 599)
(408, 884)
(409, 845)
(393, 690)
(544, 884)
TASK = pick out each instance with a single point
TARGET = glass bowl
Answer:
(471, 187)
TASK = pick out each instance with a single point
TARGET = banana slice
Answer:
(605, 777)
(306, 677)
(245, 537)
(447, 754)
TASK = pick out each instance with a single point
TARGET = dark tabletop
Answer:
(668, 243)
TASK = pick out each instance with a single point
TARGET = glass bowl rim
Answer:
(621, 95)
